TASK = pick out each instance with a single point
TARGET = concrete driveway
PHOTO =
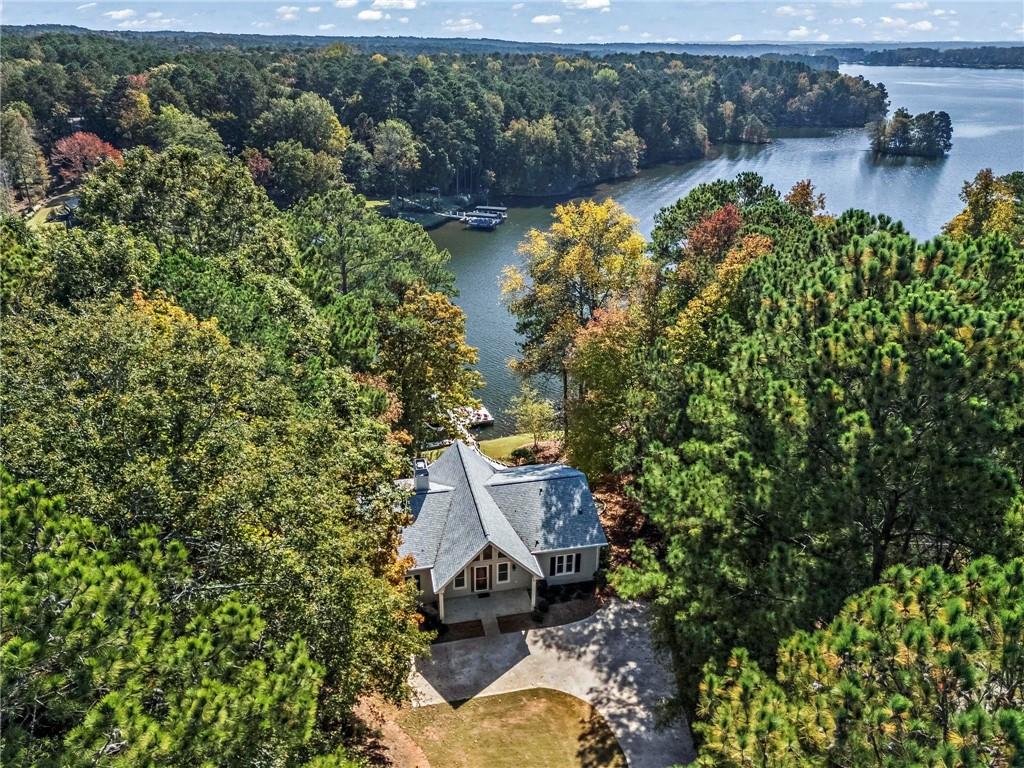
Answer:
(606, 659)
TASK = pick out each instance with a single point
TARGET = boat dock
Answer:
(485, 217)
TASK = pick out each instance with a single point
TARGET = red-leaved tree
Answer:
(79, 153)
(707, 242)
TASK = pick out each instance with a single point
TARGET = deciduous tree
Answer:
(79, 153)
(175, 127)
(589, 258)
(308, 119)
(426, 361)
(395, 151)
(993, 204)
(22, 159)
(140, 414)
(533, 414)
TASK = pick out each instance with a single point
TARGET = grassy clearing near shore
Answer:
(501, 448)
(540, 728)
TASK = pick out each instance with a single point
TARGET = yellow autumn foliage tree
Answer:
(587, 261)
(689, 337)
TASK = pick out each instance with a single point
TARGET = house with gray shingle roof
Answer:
(480, 527)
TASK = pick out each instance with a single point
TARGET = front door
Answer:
(481, 578)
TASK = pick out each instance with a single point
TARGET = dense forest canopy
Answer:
(190, 367)
(526, 124)
(798, 402)
(214, 376)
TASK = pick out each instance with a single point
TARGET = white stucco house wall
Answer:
(479, 527)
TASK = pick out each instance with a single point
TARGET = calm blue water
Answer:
(987, 109)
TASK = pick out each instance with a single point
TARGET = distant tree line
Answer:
(928, 134)
(307, 119)
(985, 57)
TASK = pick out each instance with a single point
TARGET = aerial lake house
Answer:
(479, 527)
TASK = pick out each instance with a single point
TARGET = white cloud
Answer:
(518, 6)
(124, 13)
(789, 10)
(943, 12)
(846, 3)
(403, 19)
(799, 33)
(402, 5)
(345, 3)
(892, 23)
(822, 37)
(735, 38)
(369, 15)
(553, 18)
(85, 5)
(588, 5)
(462, 25)
(287, 12)
(154, 15)
(858, 21)
(557, 31)
(312, 9)
(922, 26)
(262, 24)
(325, 27)
(920, 5)
(645, 35)
(623, 28)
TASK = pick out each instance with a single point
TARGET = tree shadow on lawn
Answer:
(598, 747)
(633, 684)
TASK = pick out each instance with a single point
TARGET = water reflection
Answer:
(987, 109)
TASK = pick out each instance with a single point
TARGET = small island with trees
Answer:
(928, 134)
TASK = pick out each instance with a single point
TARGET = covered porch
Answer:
(486, 607)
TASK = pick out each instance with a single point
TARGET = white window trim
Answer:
(565, 565)
(508, 572)
(455, 580)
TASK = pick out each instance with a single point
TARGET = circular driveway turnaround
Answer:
(606, 659)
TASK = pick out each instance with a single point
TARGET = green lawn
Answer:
(501, 448)
(39, 218)
(538, 728)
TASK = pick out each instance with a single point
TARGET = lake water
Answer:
(987, 110)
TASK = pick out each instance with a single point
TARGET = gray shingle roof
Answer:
(520, 510)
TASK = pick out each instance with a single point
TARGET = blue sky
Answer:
(830, 21)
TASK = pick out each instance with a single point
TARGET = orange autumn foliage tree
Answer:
(77, 154)
(689, 337)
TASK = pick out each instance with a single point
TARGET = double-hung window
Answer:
(563, 564)
(503, 573)
(460, 580)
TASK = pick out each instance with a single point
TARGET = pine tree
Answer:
(924, 669)
(114, 656)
